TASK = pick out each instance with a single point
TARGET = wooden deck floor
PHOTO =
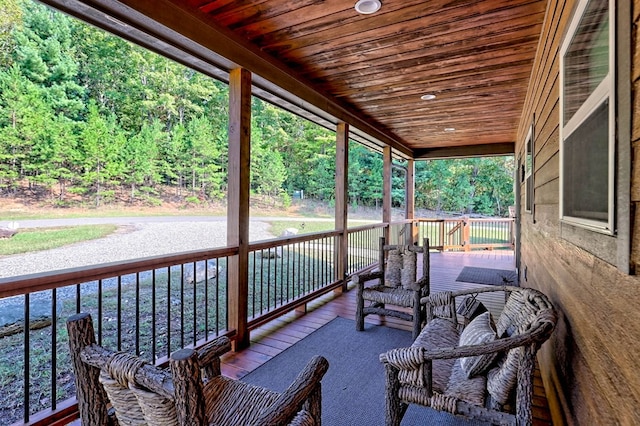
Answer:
(272, 338)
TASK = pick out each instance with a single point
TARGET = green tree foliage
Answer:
(83, 112)
(102, 143)
(139, 157)
(10, 18)
(365, 176)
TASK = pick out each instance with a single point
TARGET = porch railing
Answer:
(467, 233)
(150, 307)
(157, 305)
(363, 245)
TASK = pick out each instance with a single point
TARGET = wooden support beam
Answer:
(386, 190)
(410, 200)
(238, 201)
(341, 210)
(484, 150)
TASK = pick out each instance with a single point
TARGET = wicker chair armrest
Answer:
(436, 299)
(421, 284)
(433, 298)
(362, 278)
(418, 356)
(290, 402)
(147, 375)
(209, 355)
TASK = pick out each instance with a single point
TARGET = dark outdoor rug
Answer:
(353, 387)
(488, 276)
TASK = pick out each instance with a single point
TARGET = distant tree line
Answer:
(86, 114)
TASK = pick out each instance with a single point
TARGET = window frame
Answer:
(604, 92)
(528, 171)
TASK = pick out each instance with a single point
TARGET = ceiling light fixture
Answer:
(427, 97)
(367, 7)
(449, 129)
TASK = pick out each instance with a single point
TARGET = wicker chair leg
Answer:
(417, 315)
(185, 371)
(359, 307)
(92, 399)
(394, 407)
(524, 390)
(314, 404)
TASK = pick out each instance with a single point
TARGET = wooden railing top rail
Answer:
(361, 228)
(470, 219)
(13, 286)
(274, 242)
(496, 219)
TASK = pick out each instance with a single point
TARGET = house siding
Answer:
(590, 366)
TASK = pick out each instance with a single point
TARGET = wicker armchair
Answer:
(484, 371)
(396, 285)
(140, 393)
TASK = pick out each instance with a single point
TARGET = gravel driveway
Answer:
(133, 241)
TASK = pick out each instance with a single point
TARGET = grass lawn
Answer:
(309, 227)
(36, 239)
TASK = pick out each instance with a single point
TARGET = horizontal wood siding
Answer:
(590, 366)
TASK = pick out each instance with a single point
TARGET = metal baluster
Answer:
(119, 313)
(153, 316)
(288, 274)
(168, 311)
(275, 296)
(100, 309)
(137, 313)
(262, 282)
(27, 357)
(206, 298)
(195, 298)
(182, 305)
(54, 348)
(253, 286)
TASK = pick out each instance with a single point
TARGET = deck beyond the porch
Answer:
(276, 336)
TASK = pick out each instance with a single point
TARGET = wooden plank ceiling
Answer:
(475, 56)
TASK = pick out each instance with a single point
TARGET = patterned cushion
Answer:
(393, 268)
(501, 381)
(479, 331)
(518, 313)
(471, 390)
(408, 273)
(438, 333)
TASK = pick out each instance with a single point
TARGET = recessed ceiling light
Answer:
(449, 129)
(367, 7)
(428, 97)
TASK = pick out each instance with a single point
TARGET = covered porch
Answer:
(493, 71)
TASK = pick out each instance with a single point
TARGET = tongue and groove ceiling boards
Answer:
(322, 59)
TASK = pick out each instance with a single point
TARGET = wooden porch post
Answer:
(238, 201)
(386, 191)
(410, 201)
(466, 233)
(341, 210)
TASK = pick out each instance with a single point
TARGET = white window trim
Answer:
(606, 90)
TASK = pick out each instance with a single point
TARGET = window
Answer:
(528, 172)
(587, 119)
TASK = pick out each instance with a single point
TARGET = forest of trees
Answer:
(85, 116)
